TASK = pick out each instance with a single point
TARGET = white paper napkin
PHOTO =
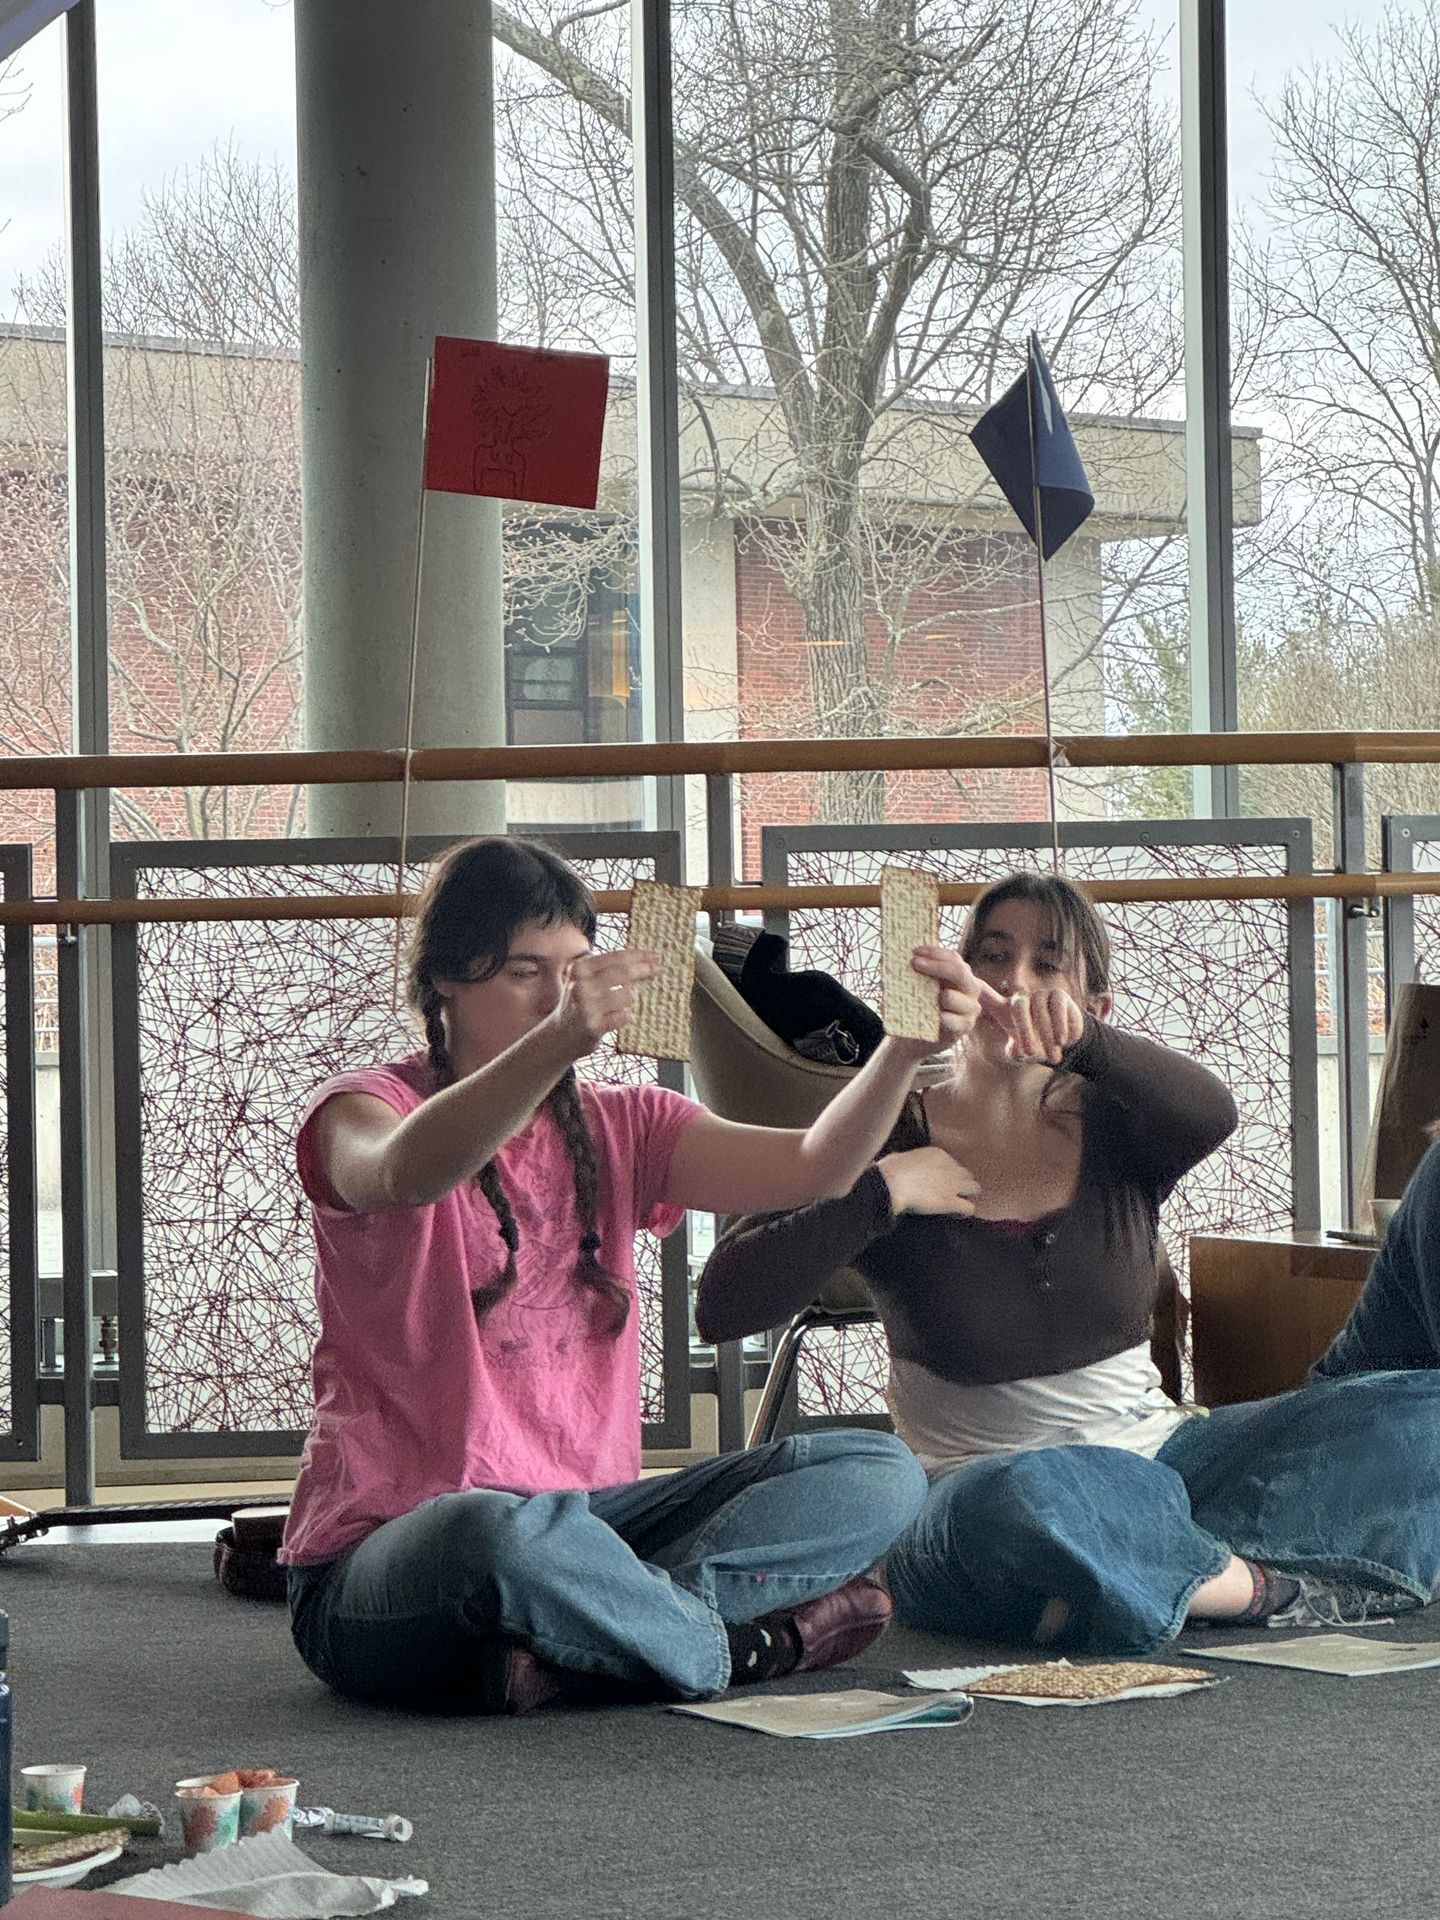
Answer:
(269, 1876)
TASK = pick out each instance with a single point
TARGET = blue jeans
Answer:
(634, 1582)
(1095, 1550)
(1396, 1320)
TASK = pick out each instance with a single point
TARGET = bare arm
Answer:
(374, 1159)
(724, 1167)
(728, 1168)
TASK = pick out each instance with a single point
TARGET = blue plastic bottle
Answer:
(7, 1740)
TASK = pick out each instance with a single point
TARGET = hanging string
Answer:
(410, 698)
(1052, 798)
(1051, 784)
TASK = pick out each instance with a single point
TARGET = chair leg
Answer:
(778, 1382)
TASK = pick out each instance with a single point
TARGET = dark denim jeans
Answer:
(1339, 1479)
(635, 1582)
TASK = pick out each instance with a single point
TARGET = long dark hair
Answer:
(1075, 926)
(476, 899)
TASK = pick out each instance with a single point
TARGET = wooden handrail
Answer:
(377, 906)
(379, 767)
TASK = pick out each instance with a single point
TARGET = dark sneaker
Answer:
(836, 1626)
(1340, 1603)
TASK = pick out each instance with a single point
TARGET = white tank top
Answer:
(1118, 1402)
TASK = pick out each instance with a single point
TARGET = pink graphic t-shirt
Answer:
(413, 1398)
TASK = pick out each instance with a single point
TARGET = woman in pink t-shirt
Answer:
(469, 1530)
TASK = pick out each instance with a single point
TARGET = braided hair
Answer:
(477, 898)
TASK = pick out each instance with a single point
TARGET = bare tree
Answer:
(878, 196)
(1327, 674)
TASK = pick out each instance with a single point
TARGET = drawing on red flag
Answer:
(515, 423)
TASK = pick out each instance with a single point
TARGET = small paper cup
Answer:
(207, 1819)
(267, 1807)
(53, 1789)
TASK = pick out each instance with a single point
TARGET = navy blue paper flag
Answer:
(1025, 442)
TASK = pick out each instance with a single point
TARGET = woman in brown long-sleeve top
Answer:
(1008, 1234)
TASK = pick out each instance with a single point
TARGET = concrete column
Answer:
(397, 244)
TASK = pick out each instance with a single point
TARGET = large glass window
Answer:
(1334, 154)
(1335, 150)
(565, 243)
(200, 307)
(875, 207)
(34, 503)
(35, 677)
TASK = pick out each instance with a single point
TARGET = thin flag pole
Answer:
(1051, 782)
(410, 693)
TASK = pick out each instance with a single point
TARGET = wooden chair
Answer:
(743, 1071)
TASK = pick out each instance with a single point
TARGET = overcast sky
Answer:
(177, 75)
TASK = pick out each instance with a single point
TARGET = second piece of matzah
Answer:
(909, 918)
(1102, 1680)
(662, 919)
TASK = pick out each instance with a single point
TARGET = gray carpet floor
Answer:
(1275, 1793)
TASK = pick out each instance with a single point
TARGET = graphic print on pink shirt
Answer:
(413, 1399)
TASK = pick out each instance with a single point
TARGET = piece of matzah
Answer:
(909, 918)
(663, 920)
(1050, 1680)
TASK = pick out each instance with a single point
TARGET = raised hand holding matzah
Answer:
(964, 997)
(931, 996)
(599, 995)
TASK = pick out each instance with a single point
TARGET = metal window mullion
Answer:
(81, 820)
(719, 841)
(1352, 988)
(89, 616)
(1209, 478)
(657, 391)
(85, 373)
(1397, 840)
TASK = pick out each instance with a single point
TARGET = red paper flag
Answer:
(516, 423)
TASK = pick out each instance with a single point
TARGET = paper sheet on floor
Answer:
(833, 1716)
(269, 1876)
(1331, 1653)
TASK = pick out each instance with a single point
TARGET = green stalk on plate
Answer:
(81, 1822)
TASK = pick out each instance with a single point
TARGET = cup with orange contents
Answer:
(267, 1801)
(209, 1811)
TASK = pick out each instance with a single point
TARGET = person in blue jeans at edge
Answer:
(469, 1530)
(1008, 1234)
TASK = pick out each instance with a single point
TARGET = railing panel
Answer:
(19, 1271)
(222, 1031)
(1411, 844)
(1231, 983)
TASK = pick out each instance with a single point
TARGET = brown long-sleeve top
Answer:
(979, 1302)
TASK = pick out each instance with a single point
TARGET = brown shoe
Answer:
(837, 1625)
(252, 1572)
(515, 1680)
